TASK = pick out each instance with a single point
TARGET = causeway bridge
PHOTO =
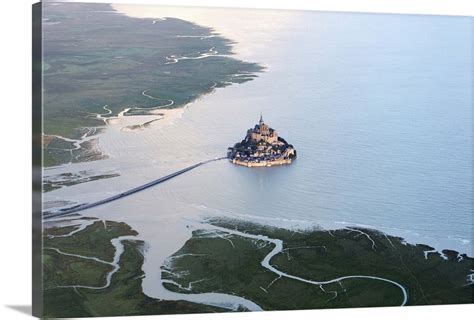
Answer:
(81, 207)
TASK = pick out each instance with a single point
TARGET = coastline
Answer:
(298, 259)
(176, 229)
(110, 142)
(185, 48)
(244, 45)
(317, 258)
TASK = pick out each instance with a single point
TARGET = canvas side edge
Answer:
(37, 274)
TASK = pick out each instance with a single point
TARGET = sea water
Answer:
(378, 108)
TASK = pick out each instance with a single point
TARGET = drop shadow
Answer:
(25, 309)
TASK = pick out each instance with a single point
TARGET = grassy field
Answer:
(231, 264)
(218, 261)
(123, 297)
(94, 57)
(69, 179)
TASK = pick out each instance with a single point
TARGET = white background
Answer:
(15, 154)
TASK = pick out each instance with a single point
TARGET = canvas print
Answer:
(197, 160)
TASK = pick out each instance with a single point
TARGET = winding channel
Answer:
(119, 249)
(211, 53)
(223, 300)
(279, 248)
(226, 301)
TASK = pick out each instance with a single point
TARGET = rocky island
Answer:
(262, 147)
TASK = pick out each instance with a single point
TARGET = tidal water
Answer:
(379, 108)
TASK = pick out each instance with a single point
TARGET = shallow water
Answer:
(379, 109)
(377, 106)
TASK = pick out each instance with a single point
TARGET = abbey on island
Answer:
(262, 147)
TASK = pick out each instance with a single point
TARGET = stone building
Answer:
(261, 148)
(262, 132)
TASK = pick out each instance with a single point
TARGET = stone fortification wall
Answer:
(278, 162)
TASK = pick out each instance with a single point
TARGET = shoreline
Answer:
(183, 233)
(138, 97)
(172, 285)
(111, 142)
(317, 254)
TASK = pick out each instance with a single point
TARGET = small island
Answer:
(262, 147)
